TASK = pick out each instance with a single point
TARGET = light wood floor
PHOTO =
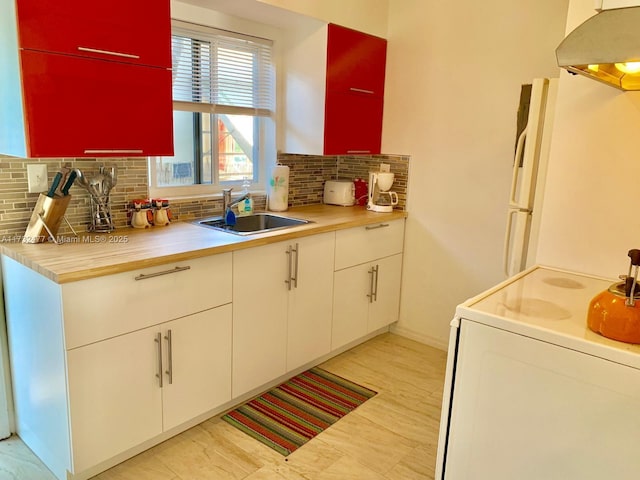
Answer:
(393, 436)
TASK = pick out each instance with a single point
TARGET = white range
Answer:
(532, 393)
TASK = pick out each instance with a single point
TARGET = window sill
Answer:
(205, 196)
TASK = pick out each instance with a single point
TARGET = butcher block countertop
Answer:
(93, 255)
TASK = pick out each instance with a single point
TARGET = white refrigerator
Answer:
(529, 172)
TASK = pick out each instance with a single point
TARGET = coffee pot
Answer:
(380, 197)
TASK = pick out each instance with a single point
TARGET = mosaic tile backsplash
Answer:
(306, 184)
(308, 173)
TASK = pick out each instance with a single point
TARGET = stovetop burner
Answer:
(563, 282)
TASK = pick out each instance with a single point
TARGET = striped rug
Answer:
(291, 414)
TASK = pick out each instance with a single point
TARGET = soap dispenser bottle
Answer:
(245, 207)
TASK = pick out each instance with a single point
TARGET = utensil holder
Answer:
(46, 218)
(101, 220)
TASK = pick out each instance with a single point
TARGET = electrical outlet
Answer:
(37, 177)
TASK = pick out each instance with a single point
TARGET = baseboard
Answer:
(419, 337)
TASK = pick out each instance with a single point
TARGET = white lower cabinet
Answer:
(199, 354)
(282, 308)
(103, 366)
(309, 312)
(128, 389)
(114, 399)
(366, 298)
(368, 271)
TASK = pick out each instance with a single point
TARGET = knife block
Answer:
(46, 219)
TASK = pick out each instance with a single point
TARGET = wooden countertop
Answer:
(94, 255)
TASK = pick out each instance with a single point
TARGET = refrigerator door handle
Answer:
(506, 251)
(516, 169)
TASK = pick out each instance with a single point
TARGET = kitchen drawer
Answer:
(112, 305)
(364, 244)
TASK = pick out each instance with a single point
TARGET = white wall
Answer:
(453, 82)
(368, 16)
(590, 219)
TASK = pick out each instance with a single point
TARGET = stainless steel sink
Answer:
(252, 224)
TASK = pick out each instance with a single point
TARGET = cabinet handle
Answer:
(382, 225)
(158, 340)
(144, 276)
(361, 90)
(375, 288)
(289, 279)
(169, 371)
(108, 52)
(370, 295)
(295, 278)
(114, 152)
(358, 151)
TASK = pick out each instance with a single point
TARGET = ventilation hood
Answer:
(605, 48)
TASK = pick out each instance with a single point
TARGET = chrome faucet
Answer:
(228, 203)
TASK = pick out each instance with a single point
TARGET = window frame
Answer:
(264, 129)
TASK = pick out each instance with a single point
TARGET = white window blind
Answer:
(215, 71)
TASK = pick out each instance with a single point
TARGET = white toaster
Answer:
(339, 192)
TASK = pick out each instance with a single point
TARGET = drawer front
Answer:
(364, 244)
(107, 306)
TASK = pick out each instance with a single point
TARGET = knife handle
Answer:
(54, 185)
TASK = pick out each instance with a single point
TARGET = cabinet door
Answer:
(114, 396)
(77, 107)
(355, 61)
(132, 31)
(353, 124)
(197, 365)
(309, 316)
(350, 304)
(260, 299)
(384, 310)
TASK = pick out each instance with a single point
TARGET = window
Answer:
(223, 109)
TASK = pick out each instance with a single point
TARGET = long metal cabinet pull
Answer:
(108, 52)
(158, 340)
(375, 290)
(111, 151)
(144, 276)
(361, 90)
(295, 278)
(288, 281)
(169, 371)
(375, 227)
(371, 280)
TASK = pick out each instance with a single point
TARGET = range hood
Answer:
(605, 48)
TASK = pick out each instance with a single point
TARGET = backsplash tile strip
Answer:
(306, 186)
(308, 174)
(16, 204)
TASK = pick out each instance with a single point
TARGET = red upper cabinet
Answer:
(93, 78)
(353, 124)
(79, 107)
(356, 61)
(354, 92)
(123, 30)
